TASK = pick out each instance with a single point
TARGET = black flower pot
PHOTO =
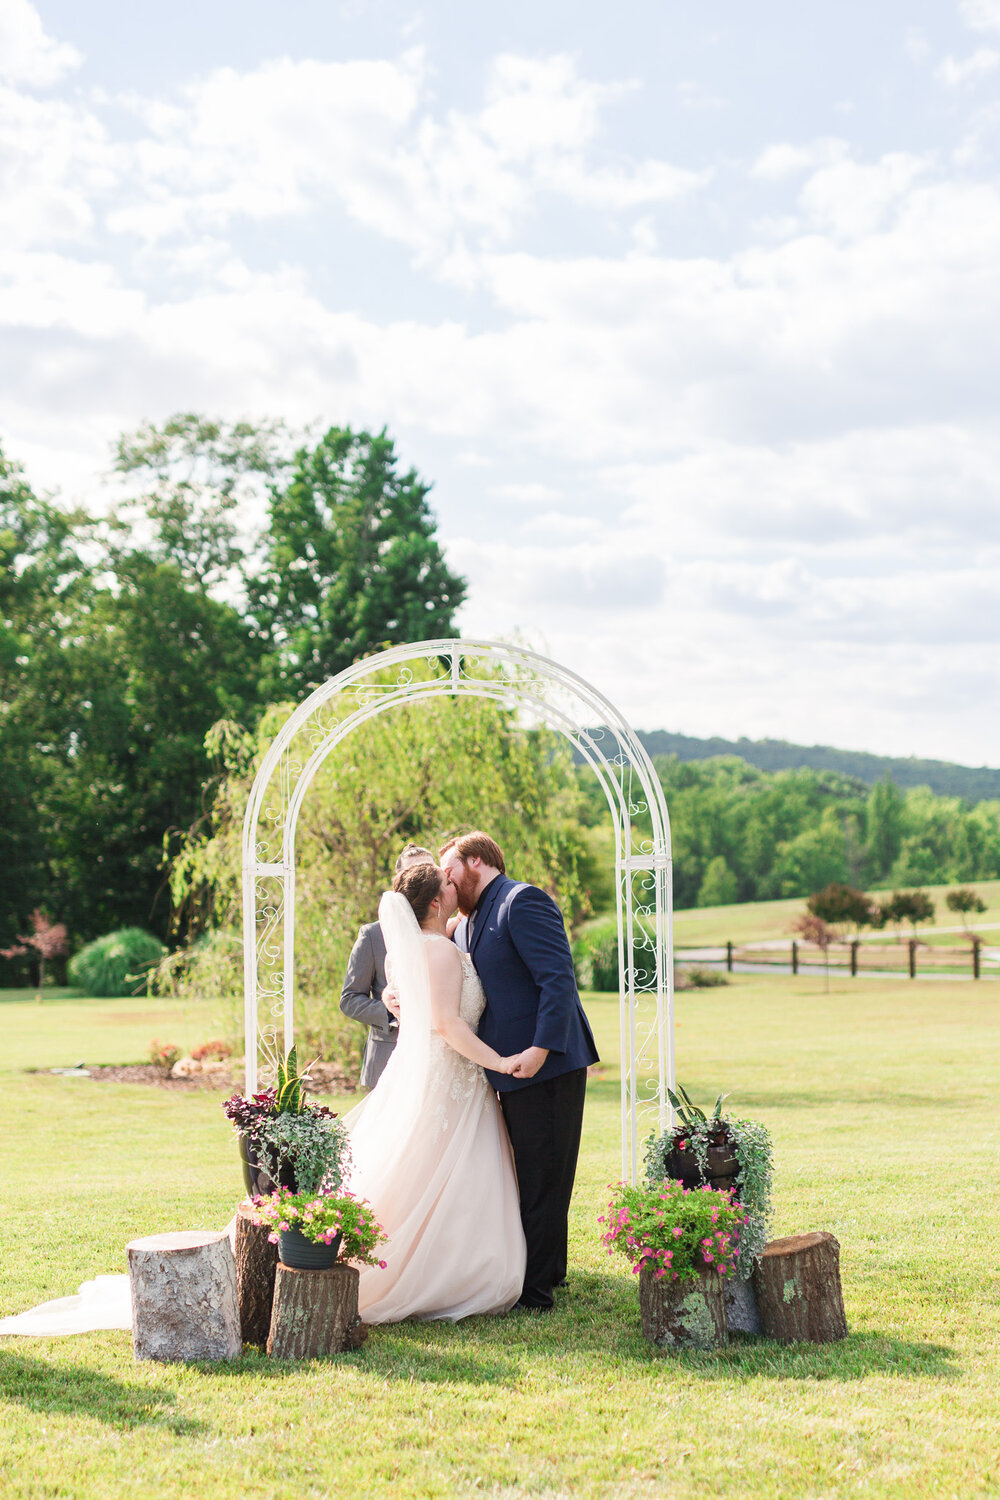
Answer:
(255, 1179)
(305, 1255)
(723, 1167)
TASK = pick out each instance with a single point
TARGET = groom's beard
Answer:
(465, 890)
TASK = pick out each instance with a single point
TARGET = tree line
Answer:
(972, 783)
(742, 834)
(144, 644)
(238, 565)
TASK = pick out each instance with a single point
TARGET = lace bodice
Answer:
(472, 1002)
(452, 1075)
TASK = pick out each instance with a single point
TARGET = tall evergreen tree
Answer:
(884, 826)
(351, 563)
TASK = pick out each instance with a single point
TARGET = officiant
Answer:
(364, 982)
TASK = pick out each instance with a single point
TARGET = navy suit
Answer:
(521, 954)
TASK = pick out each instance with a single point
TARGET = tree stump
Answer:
(184, 1296)
(256, 1260)
(315, 1313)
(742, 1315)
(797, 1281)
(683, 1314)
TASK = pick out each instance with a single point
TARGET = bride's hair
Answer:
(420, 884)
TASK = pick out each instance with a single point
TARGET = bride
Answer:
(429, 1145)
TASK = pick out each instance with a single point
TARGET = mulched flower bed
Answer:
(327, 1077)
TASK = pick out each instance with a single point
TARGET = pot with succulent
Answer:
(684, 1244)
(722, 1151)
(285, 1141)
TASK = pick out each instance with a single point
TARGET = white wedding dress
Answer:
(431, 1154)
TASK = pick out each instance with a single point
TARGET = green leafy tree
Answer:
(44, 585)
(188, 479)
(153, 663)
(719, 885)
(351, 561)
(884, 826)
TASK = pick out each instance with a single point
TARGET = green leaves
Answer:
(688, 1112)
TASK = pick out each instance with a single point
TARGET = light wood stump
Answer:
(315, 1313)
(256, 1261)
(797, 1282)
(184, 1296)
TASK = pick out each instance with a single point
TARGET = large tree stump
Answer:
(315, 1313)
(797, 1281)
(682, 1314)
(184, 1296)
(256, 1259)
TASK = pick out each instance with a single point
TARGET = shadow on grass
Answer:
(475, 1352)
(601, 1311)
(73, 1390)
(853, 1358)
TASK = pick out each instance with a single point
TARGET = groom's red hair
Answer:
(476, 845)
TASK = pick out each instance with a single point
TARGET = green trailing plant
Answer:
(117, 964)
(315, 1144)
(748, 1140)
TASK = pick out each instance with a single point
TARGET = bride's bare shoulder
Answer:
(441, 951)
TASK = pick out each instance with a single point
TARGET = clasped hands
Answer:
(524, 1064)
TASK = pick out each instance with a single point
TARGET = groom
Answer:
(517, 940)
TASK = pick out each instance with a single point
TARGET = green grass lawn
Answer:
(752, 920)
(883, 1103)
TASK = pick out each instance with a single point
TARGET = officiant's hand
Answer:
(529, 1062)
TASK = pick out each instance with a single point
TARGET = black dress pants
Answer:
(544, 1121)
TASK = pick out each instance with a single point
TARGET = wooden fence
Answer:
(911, 957)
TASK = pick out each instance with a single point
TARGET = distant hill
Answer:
(973, 783)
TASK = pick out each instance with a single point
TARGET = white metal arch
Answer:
(545, 692)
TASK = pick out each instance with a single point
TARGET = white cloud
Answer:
(527, 492)
(291, 135)
(57, 166)
(28, 55)
(684, 469)
(981, 15)
(782, 159)
(853, 198)
(957, 72)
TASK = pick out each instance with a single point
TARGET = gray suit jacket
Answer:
(361, 999)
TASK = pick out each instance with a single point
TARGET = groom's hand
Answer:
(529, 1062)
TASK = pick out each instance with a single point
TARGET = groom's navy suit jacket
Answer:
(521, 954)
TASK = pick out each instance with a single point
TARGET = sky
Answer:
(689, 313)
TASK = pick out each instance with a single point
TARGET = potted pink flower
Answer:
(682, 1243)
(314, 1231)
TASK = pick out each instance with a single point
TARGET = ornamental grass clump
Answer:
(676, 1231)
(320, 1217)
